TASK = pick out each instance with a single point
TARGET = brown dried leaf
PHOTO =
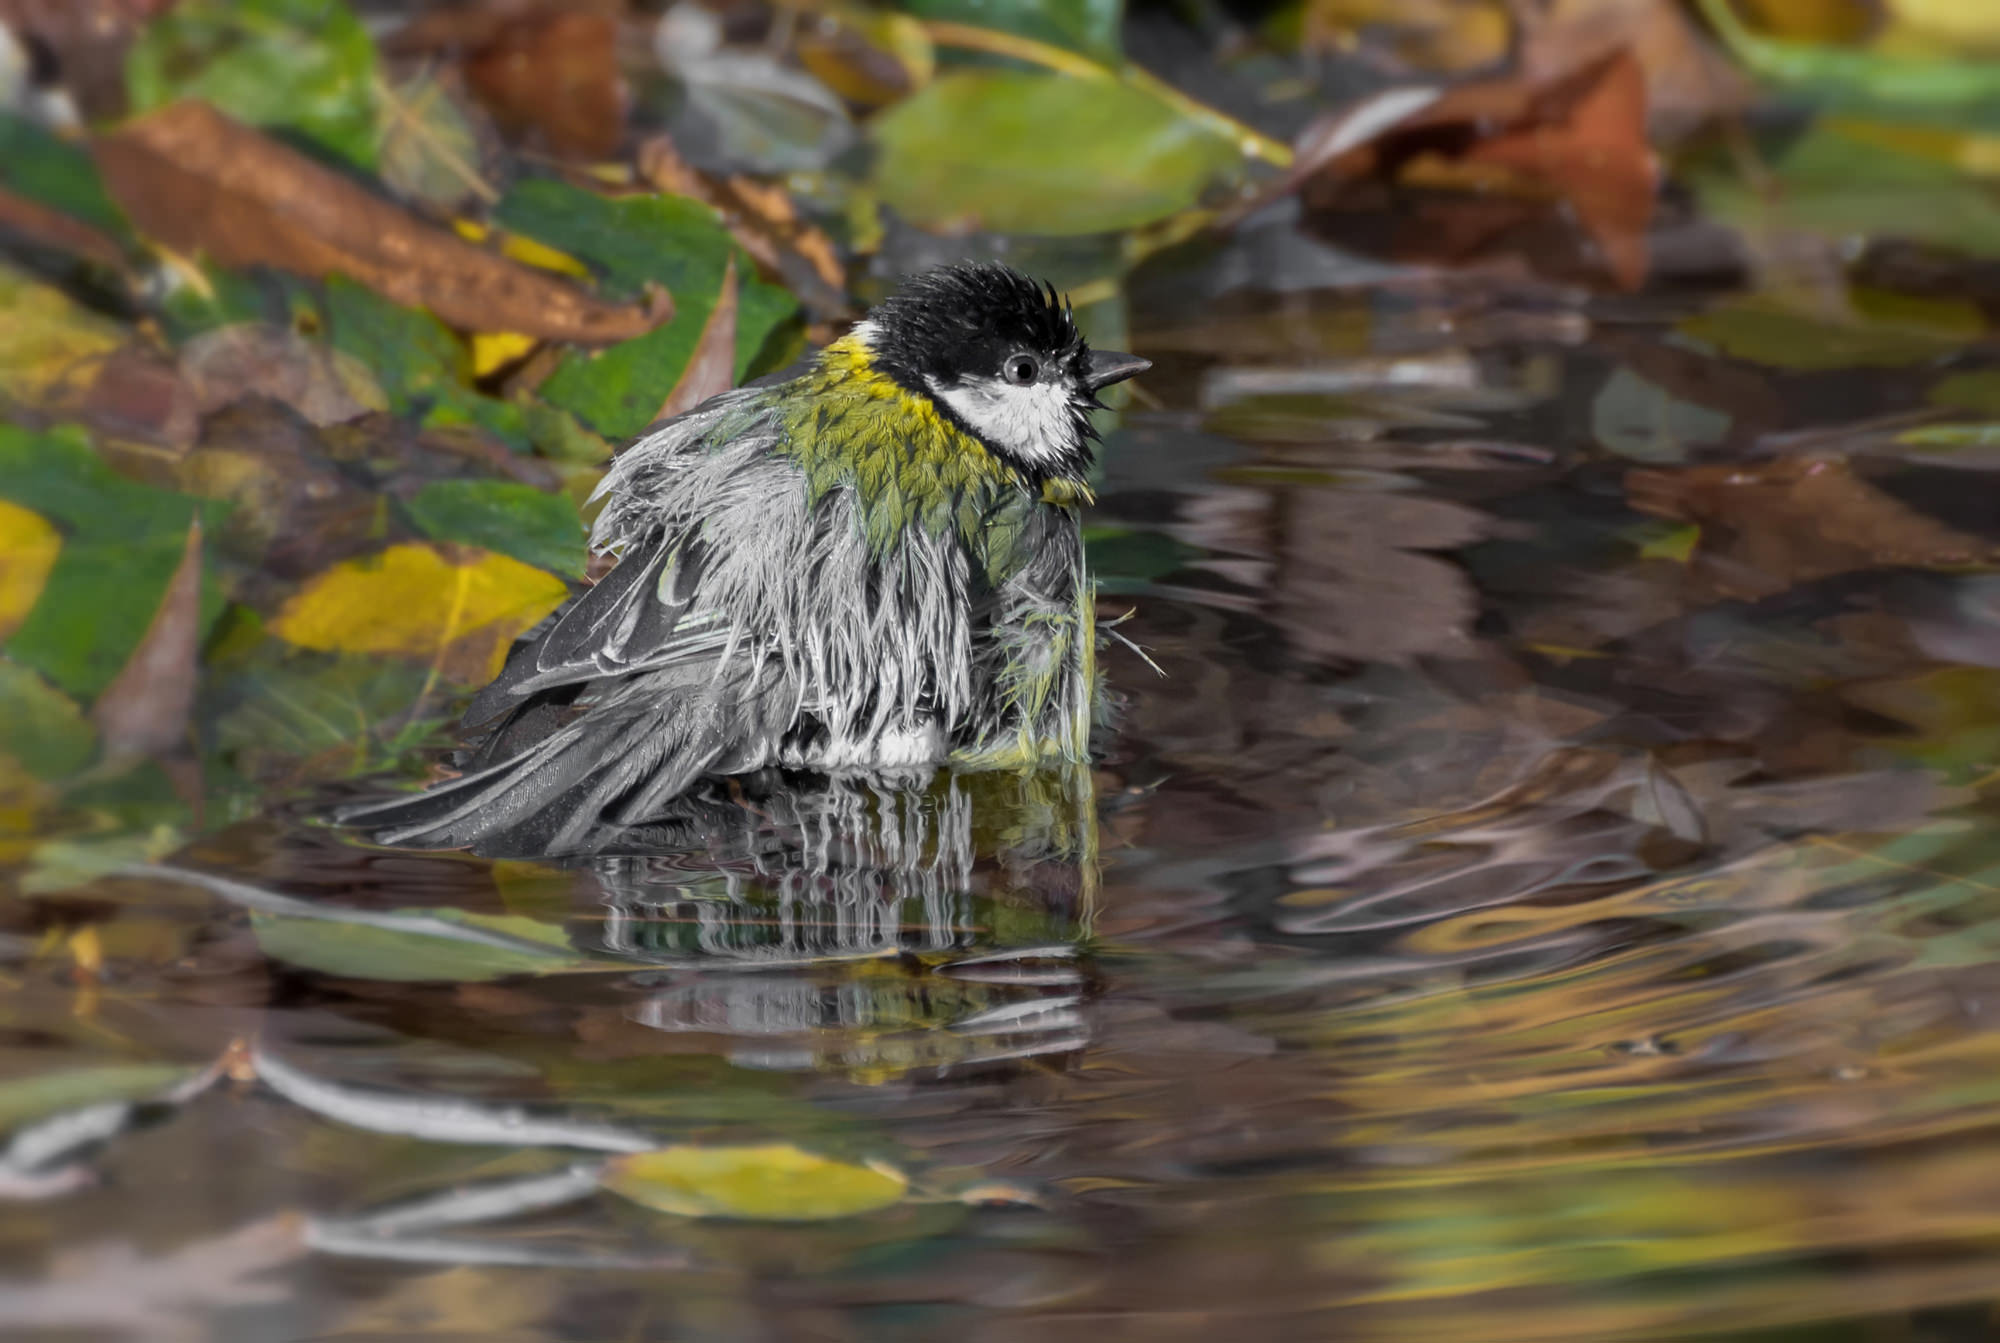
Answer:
(555, 74)
(199, 182)
(1768, 526)
(145, 710)
(52, 228)
(711, 369)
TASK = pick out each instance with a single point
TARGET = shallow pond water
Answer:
(1549, 889)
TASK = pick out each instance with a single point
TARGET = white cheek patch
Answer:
(1033, 423)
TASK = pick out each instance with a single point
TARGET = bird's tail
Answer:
(585, 778)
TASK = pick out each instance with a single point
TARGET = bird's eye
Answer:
(1021, 369)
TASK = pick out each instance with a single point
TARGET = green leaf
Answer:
(1040, 153)
(1855, 74)
(57, 173)
(363, 951)
(287, 705)
(422, 366)
(23, 1100)
(122, 543)
(1977, 391)
(1881, 329)
(631, 240)
(301, 65)
(1088, 26)
(518, 520)
(40, 727)
(774, 1183)
(1842, 180)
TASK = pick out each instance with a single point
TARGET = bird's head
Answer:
(1001, 357)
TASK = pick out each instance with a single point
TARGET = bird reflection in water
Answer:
(858, 925)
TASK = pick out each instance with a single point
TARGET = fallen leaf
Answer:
(390, 954)
(144, 711)
(774, 1183)
(1862, 327)
(429, 150)
(869, 57)
(38, 223)
(530, 525)
(1768, 526)
(323, 384)
(1440, 35)
(457, 610)
(1011, 151)
(634, 240)
(554, 74)
(198, 182)
(307, 66)
(139, 395)
(122, 544)
(28, 548)
(50, 347)
(711, 369)
(1587, 142)
(763, 220)
(41, 729)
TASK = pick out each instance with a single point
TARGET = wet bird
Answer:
(874, 565)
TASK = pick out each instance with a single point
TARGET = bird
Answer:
(872, 564)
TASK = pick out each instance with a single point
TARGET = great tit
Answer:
(874, 565)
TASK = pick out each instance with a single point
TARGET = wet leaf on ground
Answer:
(774, 1183)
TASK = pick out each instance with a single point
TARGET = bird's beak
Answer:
(1108, 366)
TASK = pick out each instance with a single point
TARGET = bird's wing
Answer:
(649, 611)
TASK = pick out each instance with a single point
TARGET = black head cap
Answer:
(965, 319)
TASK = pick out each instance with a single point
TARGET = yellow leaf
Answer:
(1945, 26)
(493, 350)
(456, 608)
(774, 1183)
(50, 347)
(28, 547)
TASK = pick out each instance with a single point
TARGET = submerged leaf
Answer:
(1039, 153)
(1878, 328)
(363, 951)
(457, 610)
(774, 1183)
